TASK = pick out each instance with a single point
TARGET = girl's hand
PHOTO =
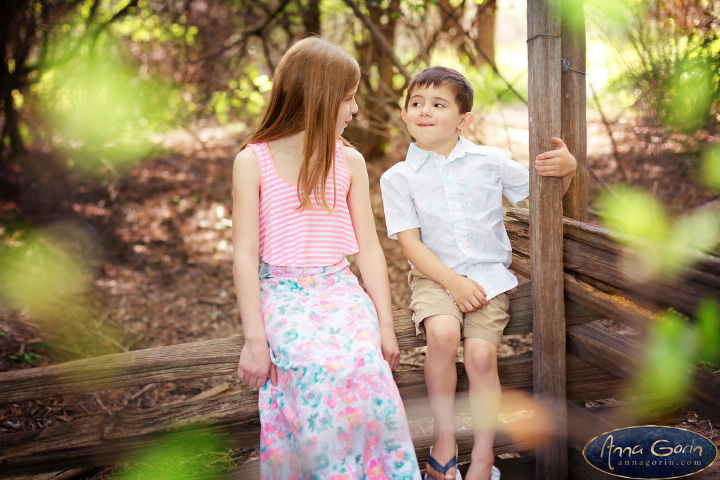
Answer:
(556, 163)
(389, 346)
(255, 366)
(467, 294)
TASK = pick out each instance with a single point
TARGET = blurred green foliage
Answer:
(660, 248)
(492, 90)
(572, 12)
(98, 80)
(708, 331)
(104, 115)
(37, 272)
(674, 345)
(183, 455)
(710, 168)
(670, 52)
(671, 348)
(45, 274)
(693, 89)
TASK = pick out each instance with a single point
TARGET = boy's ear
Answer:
(466, 121)
(403, 115)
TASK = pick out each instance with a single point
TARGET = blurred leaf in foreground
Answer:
(664, 379)
(708, 326)
(185, 455)
(674, 347)
(45, 274)
(38, 273)
(691, 92)
(710, 168)
(657, 248)
(106, 114)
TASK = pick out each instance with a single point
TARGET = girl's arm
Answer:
(371, 259)
(254, 366)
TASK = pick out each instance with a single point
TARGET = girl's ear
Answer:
(403, 115)
(466, 121)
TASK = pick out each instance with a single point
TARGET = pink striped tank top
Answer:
(290, 236)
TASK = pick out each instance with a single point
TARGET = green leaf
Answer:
(669, 354)
(708, 326)
(710, 168)
(634, 212)
(183, 455)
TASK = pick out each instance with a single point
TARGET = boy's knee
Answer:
(480, 358)
(443, 332)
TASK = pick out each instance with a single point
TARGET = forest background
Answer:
(120, 120)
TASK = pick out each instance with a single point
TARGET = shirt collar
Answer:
(465, 146)
(416, 156)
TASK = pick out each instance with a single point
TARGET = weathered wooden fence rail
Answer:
(599, 364)
(200, 359)
(594, 254)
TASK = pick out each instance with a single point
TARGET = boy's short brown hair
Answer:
(441, 76)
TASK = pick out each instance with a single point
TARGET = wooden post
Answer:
(574, 128)
(546, 236)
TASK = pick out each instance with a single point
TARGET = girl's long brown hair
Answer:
(312, 79)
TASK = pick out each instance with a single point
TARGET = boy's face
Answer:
(433, 118)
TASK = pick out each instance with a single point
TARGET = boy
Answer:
(444, 205)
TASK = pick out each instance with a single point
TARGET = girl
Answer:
(301, 203)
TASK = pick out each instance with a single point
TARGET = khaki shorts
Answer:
(430, 298)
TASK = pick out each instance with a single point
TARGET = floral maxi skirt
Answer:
(336, 412)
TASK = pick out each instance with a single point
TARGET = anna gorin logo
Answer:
(650, 452)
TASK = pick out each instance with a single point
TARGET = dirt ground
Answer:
(157, 242)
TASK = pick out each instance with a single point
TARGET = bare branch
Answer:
(257, 31)
(379, 38)
(616, 154)
(467, 36)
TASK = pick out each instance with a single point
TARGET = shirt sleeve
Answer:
(400, 213)
(515, 181)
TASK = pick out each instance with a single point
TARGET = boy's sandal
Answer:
(443, 468)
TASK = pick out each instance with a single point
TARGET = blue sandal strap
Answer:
(442, 469)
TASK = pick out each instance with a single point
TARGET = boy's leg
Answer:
(483, 330)
(443, 340)
(481, 366)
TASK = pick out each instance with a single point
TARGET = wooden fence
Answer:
(599, 364)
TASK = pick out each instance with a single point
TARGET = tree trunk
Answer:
(11, 128)
(485, 31)
(379, 92)
(10, 11)
(380, 114)
(311, 17)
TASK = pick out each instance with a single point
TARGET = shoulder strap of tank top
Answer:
(264, 159)
(341, 161)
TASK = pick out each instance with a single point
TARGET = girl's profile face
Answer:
(348, 108)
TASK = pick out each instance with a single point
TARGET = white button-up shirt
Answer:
(456, 203)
